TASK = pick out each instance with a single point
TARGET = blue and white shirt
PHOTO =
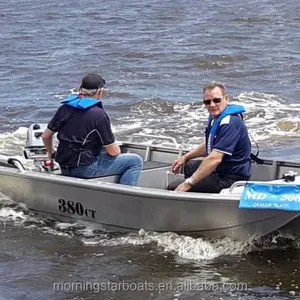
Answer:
(232, 139)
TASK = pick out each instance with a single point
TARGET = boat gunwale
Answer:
(137, 190)
(117, 188)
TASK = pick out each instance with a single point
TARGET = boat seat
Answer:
(155, 164)
(148, 165)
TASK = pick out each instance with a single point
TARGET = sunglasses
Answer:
(103, 84)
(215, 100)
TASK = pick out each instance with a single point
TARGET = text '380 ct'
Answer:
(75, 208)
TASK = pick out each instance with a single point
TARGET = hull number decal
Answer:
(75, 208)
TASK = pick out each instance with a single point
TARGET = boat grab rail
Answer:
(276, 181)
(158, 137)
(243, 183)
(237, 184)
(16, 163)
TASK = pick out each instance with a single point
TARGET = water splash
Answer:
(274, 125)
(185, 247)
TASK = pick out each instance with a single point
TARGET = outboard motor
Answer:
(35, 149)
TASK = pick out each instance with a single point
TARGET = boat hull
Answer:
(126, 208)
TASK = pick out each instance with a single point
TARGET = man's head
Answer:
(215, 98)
(92, 85)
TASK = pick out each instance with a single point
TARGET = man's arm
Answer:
(197, 152)
(47, 137)
(107, 137)
(208, 165)
(113, 149)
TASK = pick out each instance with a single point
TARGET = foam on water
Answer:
(270, 120)
(12, 142)
(17, 213)
(185, 247)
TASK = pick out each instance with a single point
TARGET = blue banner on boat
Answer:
(271, 196)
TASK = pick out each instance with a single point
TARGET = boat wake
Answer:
(13, 214)
(271, 127)
(185, 247)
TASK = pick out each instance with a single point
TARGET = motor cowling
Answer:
(35, 149)
(34, 146)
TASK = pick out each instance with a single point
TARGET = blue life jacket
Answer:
(76, 101)
(231, 109)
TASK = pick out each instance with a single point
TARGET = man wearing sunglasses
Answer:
(226, 148)
(83, 129)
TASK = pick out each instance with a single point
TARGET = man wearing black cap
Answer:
(83, 129)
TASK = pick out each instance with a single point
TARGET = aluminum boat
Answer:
(149, 206)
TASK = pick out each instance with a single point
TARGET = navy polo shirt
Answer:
(232, 139)
(81, 133)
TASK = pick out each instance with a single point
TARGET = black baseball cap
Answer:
(92, 81)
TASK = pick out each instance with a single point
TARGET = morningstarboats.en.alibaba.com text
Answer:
(186, 285)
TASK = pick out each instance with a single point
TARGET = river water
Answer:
(155, 57)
